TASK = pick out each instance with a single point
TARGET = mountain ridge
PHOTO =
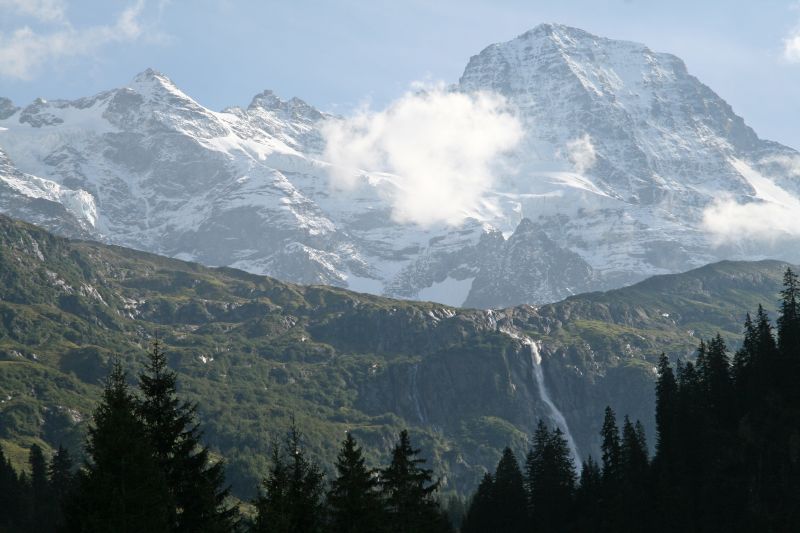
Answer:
(253, 351)
(623, 154)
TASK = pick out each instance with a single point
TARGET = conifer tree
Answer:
(534, 468)
(62, 485)
(354, 501)
(12, 491)
(509, 494)
(588, 497)
(717, 380)
(41, 511)
(666, 399)
(123, 488)
(197, 491)
(409, 490)
(481, 511)
(550, 476)
(291, 501)
(611, 449)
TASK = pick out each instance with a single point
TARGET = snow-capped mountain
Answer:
(622, 154)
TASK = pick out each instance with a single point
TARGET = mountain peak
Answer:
(268, 100)
(151, 81)
(553, 29)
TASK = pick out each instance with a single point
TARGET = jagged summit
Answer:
(623, 152)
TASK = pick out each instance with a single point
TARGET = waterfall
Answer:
(414, 394)
(555, 414)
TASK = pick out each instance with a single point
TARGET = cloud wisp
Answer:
(24, 51)
(444, 148)
(42, 10)
(581, 153)
(791, 43)
(769, 216)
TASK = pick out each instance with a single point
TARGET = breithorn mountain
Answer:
(623, 152)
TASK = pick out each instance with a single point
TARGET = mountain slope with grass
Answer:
(254, 351)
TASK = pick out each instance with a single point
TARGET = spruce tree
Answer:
(588, 497)
(482, 508)
(291, 501)
(122, 488)
(197, 485)
(611, 449)
(509, 493)
(409, 490)
(666, 400)
(41, 500)
(534, 465)
(62, 485)
(354, 501)
(550, 478)
(717, 379)
(12, 494)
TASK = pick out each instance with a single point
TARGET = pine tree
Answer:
(534, 465)
(588, 497)
(611, 449)
(789, 319)
(41, 511)
(743, 359)
(123, 488)
(482, 508)
(353, 499)
(291, 501)
(12, 493)
(197, 486)
(717, 379)
(62, 485)
(550, 476)
(666, 400)
(409, 491)
(509, 493)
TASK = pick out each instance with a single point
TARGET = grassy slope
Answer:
(254, 351)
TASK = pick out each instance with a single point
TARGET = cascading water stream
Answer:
(538, 375)
(415, 392)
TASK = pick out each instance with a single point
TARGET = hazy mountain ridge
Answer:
(624, 150)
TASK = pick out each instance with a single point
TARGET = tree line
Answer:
(146, 469)
(727, 458)
(727, 450)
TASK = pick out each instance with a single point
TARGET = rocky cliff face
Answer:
(623, 151)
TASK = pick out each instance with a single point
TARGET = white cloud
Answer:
(24, 51)
(790, 163)
(445, 148)
(791, 43)
(582, 153)
(769, 215)
(729, 221)
(791, 47)
(43, 10)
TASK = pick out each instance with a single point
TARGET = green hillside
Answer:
(254, 351)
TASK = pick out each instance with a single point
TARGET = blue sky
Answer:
(338, 54)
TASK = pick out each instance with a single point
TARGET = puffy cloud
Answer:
(43, 10)
(730, 221)
(791, 43)
(582, 153)
(791, 46)
(770, 215)
(444, 147)
(24, 51)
